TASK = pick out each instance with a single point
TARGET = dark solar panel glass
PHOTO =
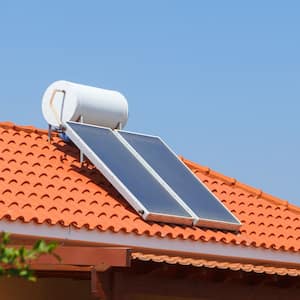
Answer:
(178, 177)
(124, 165)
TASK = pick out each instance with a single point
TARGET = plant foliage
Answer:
(15, 262)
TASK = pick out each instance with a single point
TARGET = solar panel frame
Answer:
(117, 183)
(201, 222)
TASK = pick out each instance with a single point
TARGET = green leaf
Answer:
(23, 272)
(31, 278)
(5, 238)
(14, 261)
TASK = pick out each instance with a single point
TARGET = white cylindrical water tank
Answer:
(67, 101)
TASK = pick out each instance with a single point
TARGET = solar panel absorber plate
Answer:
(127, 174)
(209, 210)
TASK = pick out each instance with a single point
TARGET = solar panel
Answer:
(208, 209)
(139, 185)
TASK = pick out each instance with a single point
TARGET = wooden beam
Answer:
(60, 267)
(97, 290)
(93, 260)
(76, 257)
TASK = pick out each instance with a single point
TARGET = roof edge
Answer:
(234, 182)
(25, 128)
(142, 243)
(218, 264)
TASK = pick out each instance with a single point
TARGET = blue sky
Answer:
(219, 81)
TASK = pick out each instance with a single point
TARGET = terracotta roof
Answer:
(45, 183)
(223, 265)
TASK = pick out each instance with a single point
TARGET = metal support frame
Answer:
(57, 115)
(81, 156)
(49, 133)
(119, 126)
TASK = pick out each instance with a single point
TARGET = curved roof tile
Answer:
(43, 182)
